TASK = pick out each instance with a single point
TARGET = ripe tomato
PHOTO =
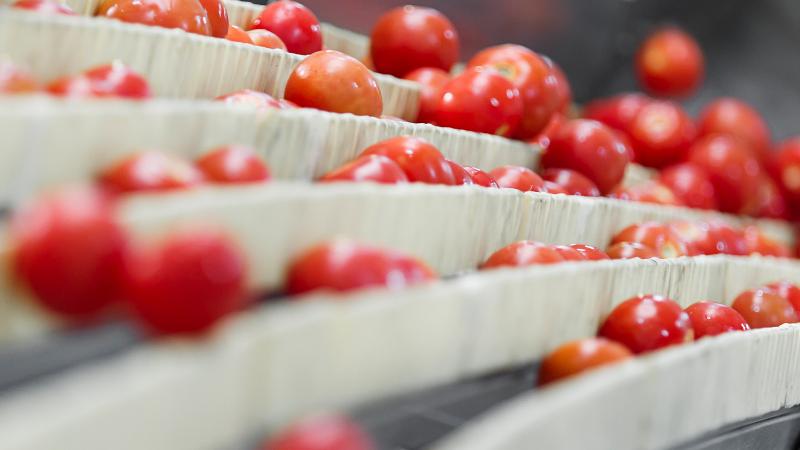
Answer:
(519, 178)
(568, 253)
(553, 188)
(670, 63)
(648, 192)
(481, 178)
(523, 253)
(573, 182)
(217, 17)
(187, 15)
(763, 308)
(321, 433)
(236, 34)
(786, 170)
(617, 112)
(736, 118)
(44, 6)
(375, 168)
(111, 80)
(535, 79)
(787, 290)
(711, 319)
(543, 139)
(646, 323)
(770, 201)
(266, 39)
(332, 81)
(188, 283)
(661, 133)
(562, 87)
(732, 169)
(344, 266)
(725, 239)
(296, 26)
(233, 164)
(418, 158)
(590, 252)
(432, 81)
(68, 250)
(256, 100)
(15, 80)
(590, 148)
(576, 357)
(150, 170)
(460, 175)
(690, 184)
(629, 250)
(758, 243)
(481, 101)
(659, 237)
(410, 37)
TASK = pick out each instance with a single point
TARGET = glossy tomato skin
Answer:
(479, 100)
(763, 308)
(188, 283)
(344, 266)
(259, 101)
(568, 253)
(325, 432)
(432, 81)
(44, 6)
(187, 15)
(691, 184)
(563, 87)
(616, 112)
(771, 202)
(15, 80)
(580, 356)
(410, 37)
(786, 171)
(523, 253)
(217, 17)
(375, 168)
(725, 239)
(110, 80)
(266, 39)
(68, 251)
(543, 138)
(535, 79)
(574, 183)
(711, 319)
(296, 26)
(736, 118)
(481, 178)
(418, 158)
(460, 175)
(590, 252)
(519, 178)
(661, 134)
(630, 250)
(553, 188)
(589, 148)
(332, 81)
(650, 191)
(646, 323)
(237, 34)
(233, 164)
(659, 237)
(670, 63)
(759, 243)
(150, 170)
(787, 290)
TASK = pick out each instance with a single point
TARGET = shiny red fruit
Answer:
(460, 174)
(759, 243)
(770, 201)
(481, 178)
(187, 15)
(543, 139)
(580, 356)
(786, 170)
(256, 100)
(110, 80)
(266, 39)
(648, 192)
(725, 239)
(690, 184)
(236, 34)
(659, 237)
(44, 6)
(233, 164)
(787, 290)
(519, 178)
(573, 182)
(15, 80)
(294, 24)
(375, 168)
(553, 188)
(568, 253)
(150, 170)
(661, 134)
(432, 81)
(763, 308)
(630, 250)
(523, 253)
(711, 319)
(670, 63)
(321, 433)
(418, 158)
(217, 17)
(590, 252)
(646, 323)
(562, 87)
(617, 112)
(736, 118)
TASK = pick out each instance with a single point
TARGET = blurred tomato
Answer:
(661, 133)
(563, 88)
(543, 139)
(762, 308)
(328, 432)
(646, 323)
(44, 6)
(375, 168)
(759, 243)
(670, 63)
(296, 26)
(711, 319)
(519, 178)
(233, 164)
(736, 118)
(217, 17)
(580, 356)
(648, 192)
(573, 182)
(659, 237)
(236, 34)
(690, 184)
(111, 80)
(150, 170)
(187, 15)
(418, 158)
(460, 174)
(481, 178)
(785, 169)
(432, 81)
(617, 112)
(630, 250)
(523, 253)
(590, 252)
(787, 290)
(15, 80)
(266, 39)
(259, 101)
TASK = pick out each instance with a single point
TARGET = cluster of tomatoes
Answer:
(650, 322)
(321, 432)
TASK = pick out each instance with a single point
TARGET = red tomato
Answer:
(590, 148)
(481, 101)
(723, 238)
(68, 250)
(732, 169)
(617, 112)
(711, 319)
(736, 118)
(481, 178)
(233, 164)
(44, 6)
(543, 139)
(758, 243)
(150, 170)
(236, 34)
(187, 15)
(580, 356)
(256, 100)
(646, 323)
(332, 81)
(296, 26)
(535, 79)
(14, 80)
(344, 266)
(110, 80)
(670, 63)
(787, 290)
(661, 133)
(188, 283)
(217, 17)
(460, 174)
(410, 37)
(375, 168)
(764, 308)
(562, 86)
(519, 178)
(659, 237)
(629, 250)
(695, 234)
(321, 433)
(419, 159)
(523, 253)
(648, 192)
(590, 252)
(266, 39)
(553, 188)
(786, 170)
(568, 253)
(573, 182)
(770, 202)
(432, 81)
(690, 184)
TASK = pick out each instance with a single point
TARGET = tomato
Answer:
(568, 253)
(481, 101)
(711, 319)
(617, 112)
(44, 6)
(736, 118)
(410, 37)
(321, 433)
(344, 266)
(670, 63)
(266, 39)
(661, 133)
(786, 170)
(188, 283)
(690, 184)
(648, 192)
(15, 80)
(580, 356)
(646, 323)
(296, 26)
(723, 238)
(553, 188)
(787, 290)
(187, 15)
(481, 178)
(67, 249)
(590, 252)
(110, 80)
(375, 168)
(217, 17)
(418, 158)
(461, 176)
(758, 243)
(573, 182)
(523, 253)
(764, 308)
(432, 81)
(519, 178)
(236, 34)
(543, 139)
(256, 100)
(535, 79)
(770, 202)
(332, 81)
(659, 237)
(150, 170)
(233, 164)
(732, 169)
(590, 148)
(563, 88)
(629, 250)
